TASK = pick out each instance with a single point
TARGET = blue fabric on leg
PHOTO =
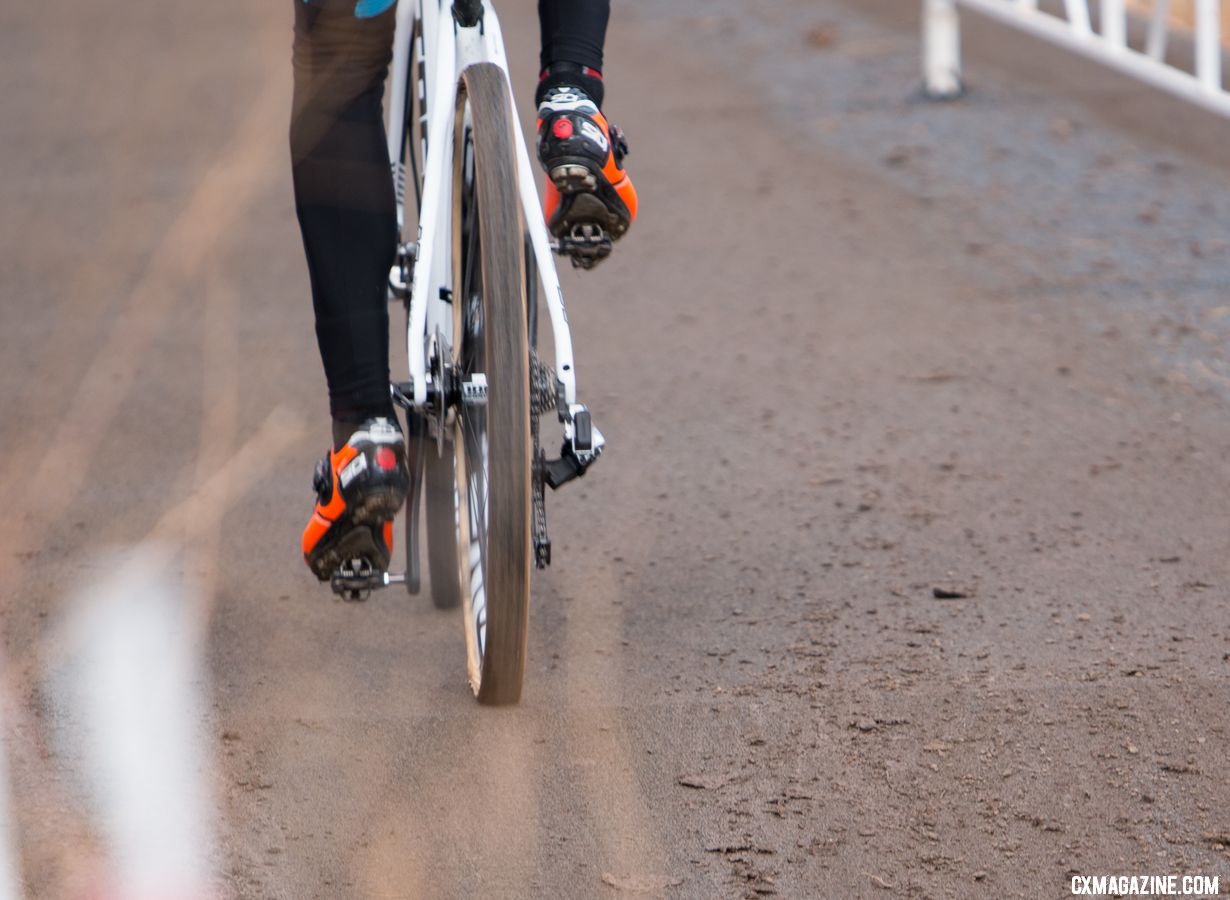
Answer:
(367, 9)
(363, 9)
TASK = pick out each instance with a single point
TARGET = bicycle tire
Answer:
(492, 440)
(440, 500)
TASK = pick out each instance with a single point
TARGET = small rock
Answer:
(701, 782)
(640, 884)
(821, 37)
(1062, 128)
(728, 848)
(897, 158)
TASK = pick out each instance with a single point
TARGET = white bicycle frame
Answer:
(447, 49)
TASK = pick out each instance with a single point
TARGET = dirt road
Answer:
(906, 572)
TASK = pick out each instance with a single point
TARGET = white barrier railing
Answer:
(1074, 30)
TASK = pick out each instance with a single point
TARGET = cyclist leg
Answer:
(344, 197)
(581, 153)
(573, 37)
(345, 203)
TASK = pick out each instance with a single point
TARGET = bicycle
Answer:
(473, 260)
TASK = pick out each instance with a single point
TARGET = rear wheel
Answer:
(491, 439)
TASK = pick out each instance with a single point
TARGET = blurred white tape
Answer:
(131, 688)
(10, 871)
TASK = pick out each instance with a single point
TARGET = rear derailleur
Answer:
(583, 444)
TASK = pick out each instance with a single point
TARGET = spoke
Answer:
(476, 464)
(473, 356)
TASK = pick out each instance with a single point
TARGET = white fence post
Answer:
(1114, 22)
(1159, 27)
(1078, 16)
(941, 49)
(1208, 44)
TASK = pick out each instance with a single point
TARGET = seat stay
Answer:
(449, 49)
(432, 270)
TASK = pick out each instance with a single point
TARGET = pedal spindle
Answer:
(587, 245)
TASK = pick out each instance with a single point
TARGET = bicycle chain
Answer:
(542, 399)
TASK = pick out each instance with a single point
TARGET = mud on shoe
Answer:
(359, 487)
(590, 200)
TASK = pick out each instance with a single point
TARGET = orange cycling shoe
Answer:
(590, 200)
(359, 488)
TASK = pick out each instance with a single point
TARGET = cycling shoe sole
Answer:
(354, 536)
(358, 542)
(586, 197)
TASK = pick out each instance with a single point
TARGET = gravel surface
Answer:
(906, 571)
